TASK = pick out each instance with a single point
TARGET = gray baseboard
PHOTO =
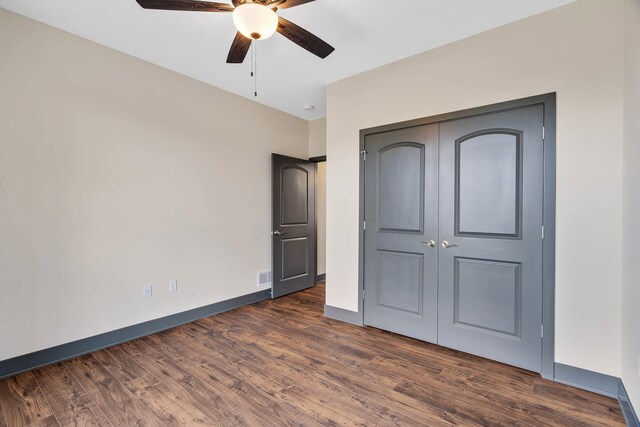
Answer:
(16, 365)
(321, 278)
(343, 315)
(587, 380)
(606, 385)
(630, 415)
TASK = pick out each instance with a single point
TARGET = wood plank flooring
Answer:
(282, 363)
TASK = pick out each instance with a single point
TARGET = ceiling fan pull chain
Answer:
(252, 47)
(255, 68)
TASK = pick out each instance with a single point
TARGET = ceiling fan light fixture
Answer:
(255, 21)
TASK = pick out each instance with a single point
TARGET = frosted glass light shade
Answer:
(255, 21)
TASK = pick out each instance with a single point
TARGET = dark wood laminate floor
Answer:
(282, 363)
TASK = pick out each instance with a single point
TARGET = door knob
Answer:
(446, 244)
(430, 243)
(277, 233)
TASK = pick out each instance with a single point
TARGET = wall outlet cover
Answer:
(147, 291)
(173, 286)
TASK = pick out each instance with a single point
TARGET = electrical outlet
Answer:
(173, 286)
(147, 291)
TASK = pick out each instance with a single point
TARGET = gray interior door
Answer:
(294, 242)
(490, 254)
(401, 232)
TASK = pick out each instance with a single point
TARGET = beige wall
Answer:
(115, 173)
(631, 227)
(576, 51)
(321, 218)
(318, 138)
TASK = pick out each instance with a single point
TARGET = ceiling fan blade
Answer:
(304, 38)
(188, 5)
(291, 3)
(239, 49)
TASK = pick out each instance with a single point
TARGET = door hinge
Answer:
(364, 225)
(363, 291)
(541, 331)
(543, 134)
(364, 155)
(543, 231)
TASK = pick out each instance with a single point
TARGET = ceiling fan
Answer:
(254, 19)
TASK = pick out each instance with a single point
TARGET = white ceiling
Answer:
(366, 34)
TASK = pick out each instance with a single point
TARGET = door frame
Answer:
(548, 101)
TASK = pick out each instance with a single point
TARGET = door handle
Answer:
(446, 244)
(430, 244)
(278, 233)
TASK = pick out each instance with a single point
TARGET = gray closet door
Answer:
(294, 241)
(401, 216)
(490, 257)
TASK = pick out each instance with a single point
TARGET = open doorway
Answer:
(321, 217)
(294, 225)
(298, 217)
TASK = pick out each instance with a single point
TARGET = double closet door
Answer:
(453, 237)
